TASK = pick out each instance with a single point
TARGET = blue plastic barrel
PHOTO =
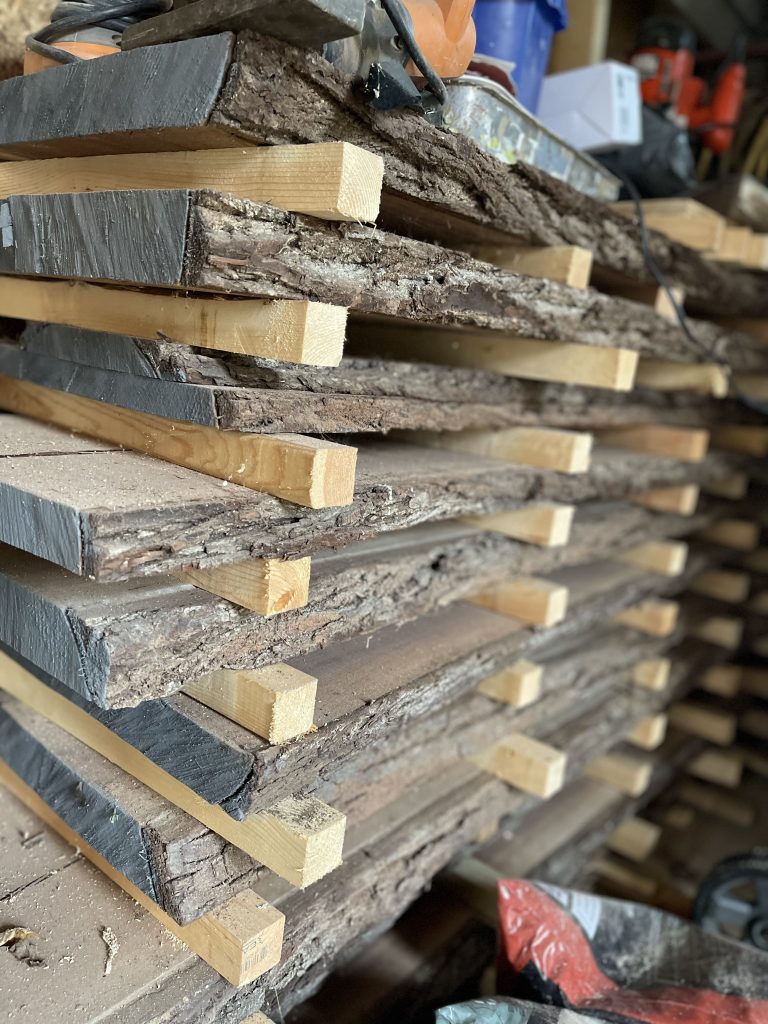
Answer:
(521, 31)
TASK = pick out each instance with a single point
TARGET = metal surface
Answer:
(733, 900)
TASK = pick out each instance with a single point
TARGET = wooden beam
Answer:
(565, 451)
(736, 245)
(681, 501)
(722, 680)
(534, 601)
(679, 816)
(736, 437)
(652, 674)
(755, 722)
(665, 375)
(517, 685)
(547, 524)
(683, 443)
(299, 839)
(568, 264)
(667, 558)
(684, 220)
(632, 884)
(649, 733)
(708, 723)
(294, 331)
(276, 702)
(717, 766)
(623, 772)
(755, 681)
(656, 617)
(241, 939)
(717, 802)
(635, 839)
(526, 764)
(720, 631)
(738, 534)
(732, 488)
(332, 180)
(306, 470)
(722, 585)
(651, 295)
(268, 586)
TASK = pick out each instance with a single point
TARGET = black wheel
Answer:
(732, 901)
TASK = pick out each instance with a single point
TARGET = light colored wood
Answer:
(306, 470)
(759, 603)
(652, 674)
(265, 585)
(653, 296)
(683, 443)
(722, 585)
(258, 1018)
(665, 375)
(758, 252)
(757, 560)
(756, 326)
(289, 331)
(518, 685)
(655, 617)
(635, 839)
(738, 534)
(528, 358)
(276, 702)
(546, 524)
(711, 724)
(649, 733)
(755, 760)
(717, 766)
(567, 264)
(585, 39)
(681, 501)
(535, 601)
(679, 816)
(755, 722)
(300, 840)
(526, 764)
(720, 631)
(241, 939)
(627, 774)
(736, 245)
(732, 488)
(751, 385)
(755, 682)
(722, 680)
(717, 802)
(562, 450)
(684, 220)
(736, 437)
(333, 180)
(667, 558)
(631, 883)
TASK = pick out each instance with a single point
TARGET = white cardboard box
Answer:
(594, 108)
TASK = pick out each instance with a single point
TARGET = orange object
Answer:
(34, 62)
(445, 32)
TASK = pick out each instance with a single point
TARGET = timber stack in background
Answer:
(362, 499)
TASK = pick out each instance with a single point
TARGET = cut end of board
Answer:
(547, 525)
(655, 617)
(527, 764)
(264, 585)
(667, 558)
(534, 601)
(310, 835)
(681, 501)
(518, 685)
(649, 733)
(652, 674)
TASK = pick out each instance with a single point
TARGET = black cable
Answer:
(77, 15)
(400, 18)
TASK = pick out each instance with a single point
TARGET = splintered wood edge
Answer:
(268, 586)
(548, 525)
(241, 939)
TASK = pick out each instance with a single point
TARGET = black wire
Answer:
(114, 15)
(399, 17)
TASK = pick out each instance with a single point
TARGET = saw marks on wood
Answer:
(265, 585)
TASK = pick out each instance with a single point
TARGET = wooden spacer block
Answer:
(760, 646)
(759, 603)
(635, 839)
(711, 724)
(736, 245)
(722, 680)
(265, 585)
(738, 534)
(649, 733)
(656, 617)
(665, 375)
(241, 939)
(725, 769)
(631, 883)
(548, 525)
(332, 180)
(651, 295)
(518, 685)
(722, 585)
(527, 764)
(681, 501)
(755, 722)
(736, 437)
(679, 816)
(306, 470)
(684, 220)
(291, 331)
(751, 385)
(627, 774)
(562, 450)
(534, 601)
(258, 1018)
(683, 443)
(757, 561)
(755, 682)
(732, 488)
(667, 558)
(717, 803)
(567, 264)
(720, 631)
(652, 674)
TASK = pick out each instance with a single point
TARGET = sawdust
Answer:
(110, 940)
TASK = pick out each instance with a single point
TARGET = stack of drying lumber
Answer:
(327, 548)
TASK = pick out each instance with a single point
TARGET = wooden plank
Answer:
(649, 733)
(718, 766)
(680, 500)
(736, 245)
(717, 802)
(736, 437)
(265, 585)
(531, 600)
(331, 180)
(526, 764)
(650, 295)
(708, 723)
(684, 220)
(276, 702)
(518, 685)
(652, 674)
(305, 470)
(737, 534)
(722, 680)
(665, 375)
(665, 557)
(654, 617)
(565, 451)
(548, 525)
(755, 681)
(241, 940)
(585, 39)
(720, 631)
(722, 585)
(755, 722)
(733, 487)
(635, 839)
(290, 330)
(679, 816)
(568, 264)
(630, 883)
(624, 772)
(672, 442)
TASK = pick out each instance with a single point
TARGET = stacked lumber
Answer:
(327, 548)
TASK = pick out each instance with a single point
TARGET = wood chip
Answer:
(12, 935)
(110, 940)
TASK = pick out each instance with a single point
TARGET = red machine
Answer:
(665, 58)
